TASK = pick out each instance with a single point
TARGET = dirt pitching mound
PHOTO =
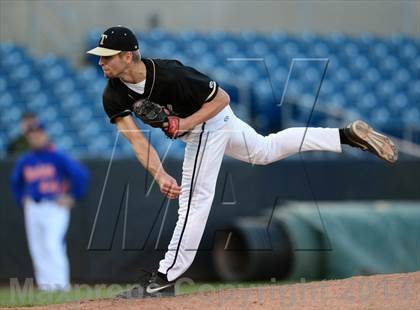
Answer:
(395, 291)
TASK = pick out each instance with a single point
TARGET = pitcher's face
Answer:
(112, 66)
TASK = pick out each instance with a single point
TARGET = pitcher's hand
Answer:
(168, 185)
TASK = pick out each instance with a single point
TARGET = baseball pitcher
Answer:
(189, 105)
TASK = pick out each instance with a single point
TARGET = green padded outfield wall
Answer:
(324, 240)
(355, 238)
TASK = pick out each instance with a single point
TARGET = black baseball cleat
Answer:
(361, 135)
(152, 285)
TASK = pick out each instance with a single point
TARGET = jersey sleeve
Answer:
(76, 173)
(196, 86)
(114, 105)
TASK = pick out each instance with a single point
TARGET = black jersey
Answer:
(168, 82)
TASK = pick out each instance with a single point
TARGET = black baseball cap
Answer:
(115, 40)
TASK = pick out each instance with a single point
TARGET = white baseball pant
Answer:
(202, 160)
(46, 225)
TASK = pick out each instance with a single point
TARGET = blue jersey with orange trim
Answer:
(46, 174)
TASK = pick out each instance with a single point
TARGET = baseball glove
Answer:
(157, 116)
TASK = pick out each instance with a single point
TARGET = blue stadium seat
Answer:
(395, 40)
(155, 36)
(100, 146)
(81, 116)
(354, 90)
(388, 67)
(336, 40)
(87, 75)
(30, 87)
(408, 52)
(377, 77)
(53, 74)
(7, 48)
(198, 48)
(411, 116)
(414, 92)
(366, 41)
(380, 116)
(398, 103)
(38, 101)
(309, 39)
(11, 132)
(278, 38)
(65, 143)
(342, 76)
(367, 103)
(6, 100)
(385, 90)
(3, 84)
(320, 50)
(11, 116)
(64, 87)
(72, 103)
(48, 114)
(338, 100)
(416, 67)
(56, 128)
(401, 79)
(370, 78)
(290, 50)
(12, 60)
(20, 73)
(166, 49)
(379, 51)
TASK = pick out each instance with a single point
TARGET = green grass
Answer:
(21, 296)
(33, 297)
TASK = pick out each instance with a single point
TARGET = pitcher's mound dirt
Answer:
(395, 291)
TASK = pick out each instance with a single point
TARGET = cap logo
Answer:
(103, 37)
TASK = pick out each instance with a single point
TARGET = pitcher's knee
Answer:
(270, 155)
(264, 155)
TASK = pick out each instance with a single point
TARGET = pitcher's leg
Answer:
(203, 157)
(247, 145)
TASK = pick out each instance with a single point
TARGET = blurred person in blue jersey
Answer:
(46, 183)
